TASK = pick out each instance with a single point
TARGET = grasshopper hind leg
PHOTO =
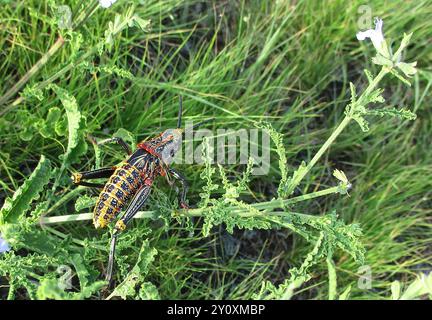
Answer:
(137, 202)
(108, 276)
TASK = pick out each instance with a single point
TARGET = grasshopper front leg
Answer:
(182, 195)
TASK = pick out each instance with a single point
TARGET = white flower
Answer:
(377, 38)
(4, 246)
(106, 3)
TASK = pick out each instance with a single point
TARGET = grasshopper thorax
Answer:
(165, 145)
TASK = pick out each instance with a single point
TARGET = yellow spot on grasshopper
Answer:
(120, 225)
(76, 177)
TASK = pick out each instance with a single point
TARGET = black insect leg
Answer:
(137, 202)
(77, 177)
(117, 140)
(182, 195)
(109, 271)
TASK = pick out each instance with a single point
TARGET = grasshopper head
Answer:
(166, 145)
(171, 140)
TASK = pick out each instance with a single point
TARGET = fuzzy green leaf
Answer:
(404, 43)
(393, 112)
(47, 127)
(148, 291)
(353, 93)
(32, 91)
(17, 206)
(128, 287)
(277, 138)
(296, 177)
(375, 96)
(108, 69)
(76, 125)
(84, 202)
(141, 23)
(120, 23)
(368, 75)
(382, 61)
(364, 125)
(408, 69)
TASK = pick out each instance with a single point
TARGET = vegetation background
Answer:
(286, 62)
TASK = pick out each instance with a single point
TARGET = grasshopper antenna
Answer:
(180, 112)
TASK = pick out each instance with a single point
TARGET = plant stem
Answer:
(302, 173)
(273, 204)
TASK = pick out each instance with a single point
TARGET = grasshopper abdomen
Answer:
(121, 186)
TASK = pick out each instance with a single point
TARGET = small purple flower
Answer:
(4, 246)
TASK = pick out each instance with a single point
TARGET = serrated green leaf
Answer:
(148, 291)
(408, 69)
(364, 125)
(84, 202)
(296, 177)
(136, 276)
(29, 236)
(277, 138)
(143, 24)
(17, 206)
(375, 96)
(382, 61)
(76, 125)
(47, 127)
(403, 113)
(60, 127)
(368, 75)
(120, 23)
(49, 289)
(32, 91)
(353, 93)
(108, 69)
(404, 43)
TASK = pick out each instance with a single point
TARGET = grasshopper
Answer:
(130, 182)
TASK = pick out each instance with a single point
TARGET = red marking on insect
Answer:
(148, 182)
(147, 148)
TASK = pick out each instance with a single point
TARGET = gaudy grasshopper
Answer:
(132, 180)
